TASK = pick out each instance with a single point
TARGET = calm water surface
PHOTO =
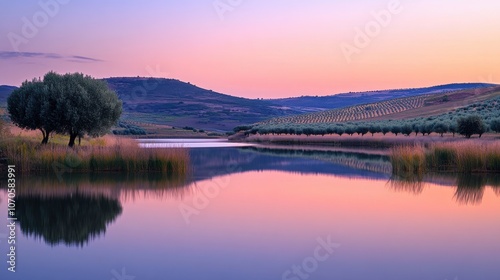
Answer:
(256, 213)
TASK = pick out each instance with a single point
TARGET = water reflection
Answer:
(80, 207)
(77, 209)
(470, 188)
(72, 220)
(411, 185)
(209, 163)
(496, 189)
(113, 186)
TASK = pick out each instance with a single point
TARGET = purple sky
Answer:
(256, 48)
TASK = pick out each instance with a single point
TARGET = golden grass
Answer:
(408, 160)
(107, 154)
(463, 157)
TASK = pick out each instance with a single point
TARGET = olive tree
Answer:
(28, 108)
(70, 104)
(495, 125)
(471, 125)
(441, 128)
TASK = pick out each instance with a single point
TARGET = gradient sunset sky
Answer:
(256, 48)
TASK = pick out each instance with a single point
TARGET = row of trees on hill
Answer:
(70, 104)
(467, 126)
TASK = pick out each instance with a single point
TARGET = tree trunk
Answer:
(46, 135)
(72, 138)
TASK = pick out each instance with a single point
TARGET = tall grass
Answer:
(447, 157)
(106, 155)
(408, 160)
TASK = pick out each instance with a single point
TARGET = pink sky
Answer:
(257, 48)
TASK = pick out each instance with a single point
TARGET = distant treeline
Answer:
(128, 129)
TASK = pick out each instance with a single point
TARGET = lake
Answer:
(253, 212)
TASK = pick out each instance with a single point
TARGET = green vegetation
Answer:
(70, 104)
(128, 129)
(471, 125)
(446, 157)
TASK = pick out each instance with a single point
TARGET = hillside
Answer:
(175, 103)
(437, 113)
(399, 108)
(320, 103)
(156, 103)
(172, 102)
(4, 93)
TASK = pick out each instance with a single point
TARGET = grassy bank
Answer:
(108, 154)
(465, 157)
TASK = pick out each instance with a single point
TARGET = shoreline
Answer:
(378, 141)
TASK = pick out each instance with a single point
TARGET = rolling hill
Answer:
(320, 103)
(176, 103)
(4, 93)
(170, 102)
(398, 108)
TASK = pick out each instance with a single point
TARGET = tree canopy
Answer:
(70, 104)
(471, 125)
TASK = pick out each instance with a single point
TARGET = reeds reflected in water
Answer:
(470, 188)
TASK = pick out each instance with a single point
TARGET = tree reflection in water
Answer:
(72, 220)
(79, 208)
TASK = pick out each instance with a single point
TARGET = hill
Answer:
(4, 93)
(156, 103)
(424, 114)
(398, 108)
(176, 103)
(320, 103)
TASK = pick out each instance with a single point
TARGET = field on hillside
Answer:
(400, 108)
(441, 114)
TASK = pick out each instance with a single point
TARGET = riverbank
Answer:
(105, 154)
(377, 141)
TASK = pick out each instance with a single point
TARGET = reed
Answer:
(408, 160)
(462, 157)
(106, 155)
